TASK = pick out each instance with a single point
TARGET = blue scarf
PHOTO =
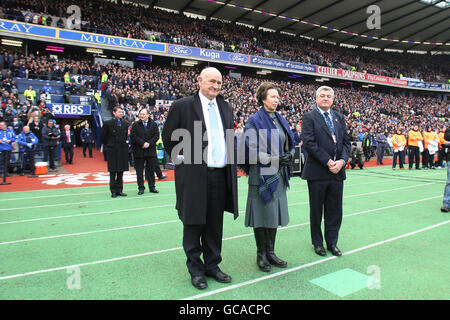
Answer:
(261, 120)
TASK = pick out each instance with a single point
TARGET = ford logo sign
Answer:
(238, 58)
(180, 50)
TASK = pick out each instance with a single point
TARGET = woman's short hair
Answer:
(261, 92)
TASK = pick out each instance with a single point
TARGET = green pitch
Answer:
(80, 243)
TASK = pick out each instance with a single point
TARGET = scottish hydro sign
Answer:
(292, 66)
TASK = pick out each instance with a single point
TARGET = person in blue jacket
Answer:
(7, 137)
(26, 141)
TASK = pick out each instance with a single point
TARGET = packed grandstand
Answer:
(134, 82)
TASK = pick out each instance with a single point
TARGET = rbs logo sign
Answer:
(70, 109)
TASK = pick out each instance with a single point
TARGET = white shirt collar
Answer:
(205, 101)
(330, 114)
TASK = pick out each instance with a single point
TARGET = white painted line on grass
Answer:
(179, 248)
(173, 221)
(303, 266)
(138, 197)
(88, 232)
(163, 187)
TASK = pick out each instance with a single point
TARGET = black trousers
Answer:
(401, 159)
(116, 181)
(27, 156)
(441, 157)
(325, 198)
(206, 238)
(146, 164)
(89, 147)
(413, 156)
(428, 159)
(51, 156)
(68, 152)
(380, 153)
(356, 162)
(367, 153)
(5, 157)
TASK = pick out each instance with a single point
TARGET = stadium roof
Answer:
(421, 25)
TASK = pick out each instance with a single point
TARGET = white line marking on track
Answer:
(180, 248)
(303, 266)
(137, 197)
(163, 187)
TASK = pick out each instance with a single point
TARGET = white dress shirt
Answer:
(205, 107)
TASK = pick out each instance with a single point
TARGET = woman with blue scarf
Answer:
(270, 143)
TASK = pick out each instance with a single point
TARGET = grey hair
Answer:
(324, 88)
(209, 69)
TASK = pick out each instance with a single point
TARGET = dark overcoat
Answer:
(190, 176)
(114, 137)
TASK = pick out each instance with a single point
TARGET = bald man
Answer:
(205, 182)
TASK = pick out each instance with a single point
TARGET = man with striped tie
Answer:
(205, 173)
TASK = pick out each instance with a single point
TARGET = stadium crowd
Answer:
(128, 20)
(368, 112)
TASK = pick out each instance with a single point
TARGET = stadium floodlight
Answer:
(14, 43)
(263, 72)
(94, 50)
(190, 62)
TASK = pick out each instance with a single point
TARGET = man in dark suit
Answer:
(114, 136)
(326, 139)
(205, 188)
(68, 142)
(87, 138)
(144, 134)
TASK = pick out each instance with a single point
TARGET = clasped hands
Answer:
(335, 166)
(285, 159)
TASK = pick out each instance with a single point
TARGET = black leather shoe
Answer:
(220, 277)
(153, 190)
(320, 250)
(113, 195)
(445, 209)
(122, 194)
(335, 251)
(162, 177)
(141, 192)
(199, 282)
